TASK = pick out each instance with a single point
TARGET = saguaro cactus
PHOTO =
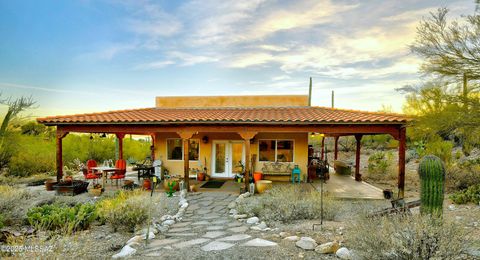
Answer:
(432, 180)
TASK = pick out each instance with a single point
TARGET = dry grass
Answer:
(407, 237)
(10, 197)
(287, 203)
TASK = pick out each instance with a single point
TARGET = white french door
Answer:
(227, 158)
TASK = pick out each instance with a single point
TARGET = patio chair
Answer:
(119, 174)
(90, 176)
(90, 164)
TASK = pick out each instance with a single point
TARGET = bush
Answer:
(9, 200)
(2, 221)
(441, 149)
(407, 237)
(379, 162)
(127, 209)
(463, 175)
(35, 155)
(287, 203)
(62, 218)
(471, 194)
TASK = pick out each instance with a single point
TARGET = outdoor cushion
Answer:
(277, 168)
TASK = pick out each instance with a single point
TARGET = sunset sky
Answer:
(85, 56)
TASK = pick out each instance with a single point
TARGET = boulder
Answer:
(151, 235)
(306, 243)
(262, 225)
(126, 251)
(327, 248)
(344, 253)
(135, 239)
(252, 220)
(241, 216)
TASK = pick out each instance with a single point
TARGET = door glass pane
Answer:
(220, 158)
(237, 152)
(284, 151)
(266, 150)
(174, 149)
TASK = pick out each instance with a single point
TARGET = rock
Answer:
(184, 205)
(327, 248)
(343, 253)
(292, 238)
(284, 234)
(126, 251)
(262, 225)
(150, 236)
(306, 243)
(236, 237)
(232, 205)
(216, 246)
(214, 234)
(134, 245)
(135, 239)
(245, 195)
(239, 199)
(257, 242)
(233, 212)
(168, 222)
(165, 217)
(241, 216)
(451, 207)
(252, 220)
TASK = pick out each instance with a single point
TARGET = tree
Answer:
(450, 49)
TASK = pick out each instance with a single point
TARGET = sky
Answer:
(91, 56)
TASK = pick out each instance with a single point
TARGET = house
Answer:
(225, 132)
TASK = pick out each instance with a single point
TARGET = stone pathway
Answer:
(206, 228)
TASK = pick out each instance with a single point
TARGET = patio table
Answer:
(105, 170)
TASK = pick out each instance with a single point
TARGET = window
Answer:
(275, 150)
(175, 149)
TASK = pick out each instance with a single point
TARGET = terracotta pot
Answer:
(95, 192)
(147, 184)
(49, 184)
(201, 176)
(166, 182)
(257, 176)
(68, 178)
(263, 185)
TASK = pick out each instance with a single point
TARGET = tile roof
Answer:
(242, 115)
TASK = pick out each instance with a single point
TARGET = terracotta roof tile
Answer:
(231, 115)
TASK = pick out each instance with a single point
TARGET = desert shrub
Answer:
(9, 199)
(463, 175)
(440, 148)
(2, 220)
(35, 155)
(287, 203)
(407, 237)
(471, 194)
(379, 162)
(128, 209)
(61, 218)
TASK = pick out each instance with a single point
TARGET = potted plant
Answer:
(97, 190)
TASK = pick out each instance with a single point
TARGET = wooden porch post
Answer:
(60, 135)
(153, 147)
(401, 162)
(323, 148)
(120, 145)
(186, 135)
(247, 136)
(358, 176)
(336, 148)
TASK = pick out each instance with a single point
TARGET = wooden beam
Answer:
(120, 137)
(186, 163)
(153, 147)
(59, 156)
(247, 136)
(336, 148)
(329, 129)
(358, 176)
(401, 162)
(323, 148)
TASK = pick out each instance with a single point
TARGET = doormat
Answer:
(212, 184)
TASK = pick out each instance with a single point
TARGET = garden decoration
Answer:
(432, 182)
(171, 186)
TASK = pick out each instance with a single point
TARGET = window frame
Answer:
(183, 152)
(276, 148)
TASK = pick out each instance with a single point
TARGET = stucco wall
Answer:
(233, 101)
(176, 167)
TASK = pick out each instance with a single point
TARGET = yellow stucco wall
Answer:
(233, 101)
(176, 167)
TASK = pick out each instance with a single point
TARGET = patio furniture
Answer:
(120, 170)
(90, 176)
(71, 187)
(277, 168)
(91, 164)
(296, 173)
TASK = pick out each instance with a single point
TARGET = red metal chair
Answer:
(90, 164)
(119, 174)
(90, 176)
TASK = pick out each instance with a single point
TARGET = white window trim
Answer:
(183, 154)
(276, 140)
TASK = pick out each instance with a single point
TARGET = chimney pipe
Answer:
(310, 93)
(333, 99)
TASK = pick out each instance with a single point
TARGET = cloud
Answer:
(54, 90)
(154, 65)
(188, 59)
